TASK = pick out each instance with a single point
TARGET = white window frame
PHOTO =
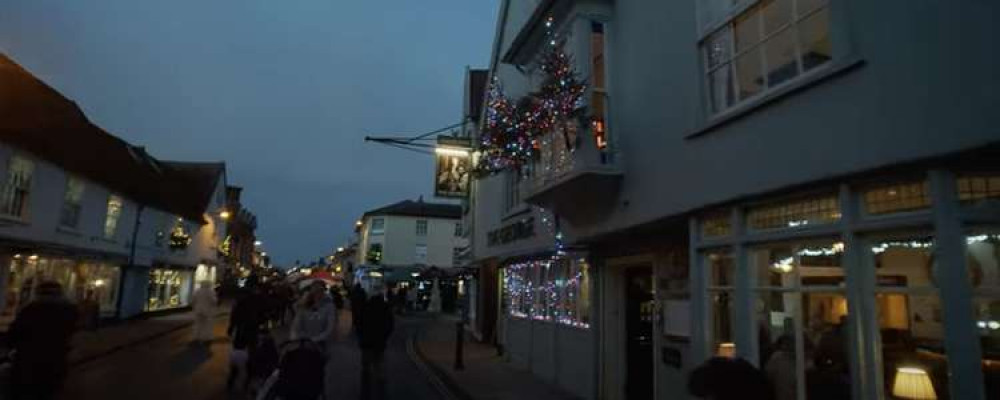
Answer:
(16, 191)
(113, 216)
(377, 229)
(69, 202)
(420, 257)
(422, 227)
(726, 24)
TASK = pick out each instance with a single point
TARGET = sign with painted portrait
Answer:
(452, 173)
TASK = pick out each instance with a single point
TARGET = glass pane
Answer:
(723, 344)
(782, 62)
(717, 48)
(904, 263)
(747, 30)
(987, 313)
(749, 73)
(912, 333)
(776, 314)
(820, 264)
(721, 269)
(721, 88)
(775, 267)
(828, 373)
(777, 13)
(984, 262)
(814, 37)
(984, 272)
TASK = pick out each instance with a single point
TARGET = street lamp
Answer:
(257, 243)
(225, 214)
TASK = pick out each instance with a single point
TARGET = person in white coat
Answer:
(204, 304)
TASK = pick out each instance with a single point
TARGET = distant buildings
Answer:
(99, 215)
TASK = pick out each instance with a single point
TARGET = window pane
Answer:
(716, 226)
(749, 73)
(717, 48)
(775, 267)
(776, 314)
(779, 53)
(747, 30)
(984, 272)
(814, 37)
(911, 334)
(777, 13)
(898, 198)
(797, 213)
(973, 188)
(721, 88)
(904, 263)
(828, 373)
(721, 269)
(723, 344)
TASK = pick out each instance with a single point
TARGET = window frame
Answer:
(111, 223)
(726, 23)
(23, 189)
(422, 228)
(69, 202)
(379, 230)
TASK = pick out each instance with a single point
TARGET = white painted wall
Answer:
(400, 240)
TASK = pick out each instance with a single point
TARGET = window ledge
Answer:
(68, 230)
(822, 74)
(7, 219)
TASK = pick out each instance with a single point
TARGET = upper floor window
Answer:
(17, 188)
(420, 255)
(69, 216)
(458, 229)
(599, 90)
(422, 227)
(377, 227)
(754, 46)
(972, 188)
(512, 190)
(114, 214)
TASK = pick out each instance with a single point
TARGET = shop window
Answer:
(716, 226)
(168, 288)
(978, 187)
(721, 275)
(69, 216)
(911, 329)
(801, 316)
(113, 215)
(550, 290)
(896, 198)
(17, 188)
(984, 272)
(760, 47)
(814, 211)
(81, 281)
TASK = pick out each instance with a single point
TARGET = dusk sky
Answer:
(283, 91)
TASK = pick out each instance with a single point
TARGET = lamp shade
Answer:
(913, 383)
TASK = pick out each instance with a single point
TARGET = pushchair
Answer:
(300, 373)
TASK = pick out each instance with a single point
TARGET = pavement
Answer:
(486, 376)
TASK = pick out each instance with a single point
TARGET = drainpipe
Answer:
(131, 261)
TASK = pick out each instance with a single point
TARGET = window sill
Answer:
(515, 212)
(808, 80)
(10, 220)
(68, 231)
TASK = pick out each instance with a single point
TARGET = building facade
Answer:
(808, 185)
(102, 217)
(410, 234)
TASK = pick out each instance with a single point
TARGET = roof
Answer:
(410, 208)
(477, 92)
(36, 118)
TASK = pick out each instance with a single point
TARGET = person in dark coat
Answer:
(722, 378)
(358, 297)
(40, 337)
(245, 320)
(376, 325)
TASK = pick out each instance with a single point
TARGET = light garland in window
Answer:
(551, 298)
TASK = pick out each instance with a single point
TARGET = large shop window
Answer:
(550, 290)
(759, 47)
(908, 306)
(984, 272)
(801, 314)
(80, 280)
(721, 281)
(168, 288)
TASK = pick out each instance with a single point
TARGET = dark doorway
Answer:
(639, 313)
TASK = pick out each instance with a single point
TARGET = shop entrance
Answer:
(639, 314)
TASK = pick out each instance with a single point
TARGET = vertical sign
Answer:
(453, 167)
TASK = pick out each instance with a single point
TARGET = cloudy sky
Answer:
(283, 90)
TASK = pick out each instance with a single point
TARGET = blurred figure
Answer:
(40, 338)
(722, 378)
(375, 326)
(204, 303)
(358, 298)
(781, 368)
(90, 311)
(314, 316)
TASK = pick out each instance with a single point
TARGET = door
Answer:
(639, 315)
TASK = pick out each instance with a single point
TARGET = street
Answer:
(171, 368)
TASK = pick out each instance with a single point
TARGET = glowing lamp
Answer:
(224, 214)
(913, 383)
(727, 350)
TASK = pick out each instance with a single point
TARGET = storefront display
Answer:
(81, 281)
(556, 290)
(169, 288)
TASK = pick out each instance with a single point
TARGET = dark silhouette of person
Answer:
(40, 337)
(723, 378)
(245, 320)
(376, 325)
(358, 297)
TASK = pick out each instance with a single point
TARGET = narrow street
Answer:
(170, 368)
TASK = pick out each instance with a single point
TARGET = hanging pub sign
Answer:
(453, 164)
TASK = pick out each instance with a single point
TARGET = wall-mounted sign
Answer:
(453, 165)
(521, 229)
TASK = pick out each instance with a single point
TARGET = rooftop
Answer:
(419, 208)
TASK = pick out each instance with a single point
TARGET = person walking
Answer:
(40, 339)
(376, 325)
(358, 297)
(204, 304)
(314, 316)
(245, 320)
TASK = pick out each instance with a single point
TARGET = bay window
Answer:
(752, 47)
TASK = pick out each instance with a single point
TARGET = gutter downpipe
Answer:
(131, 261)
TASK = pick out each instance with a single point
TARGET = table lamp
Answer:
(727, 350)
(913, 383)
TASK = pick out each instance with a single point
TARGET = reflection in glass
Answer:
(983, 259)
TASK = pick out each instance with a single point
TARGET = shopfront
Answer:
(169, 288)
(883, 288)
(546, 320)
(81, 280)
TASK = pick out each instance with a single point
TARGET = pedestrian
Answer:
(244, 324)
(90, 311)
(723, 378)
(40, 340)
(376, 326)
(204, 304)
(314, 316)
(411, 299)
(358, 297)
